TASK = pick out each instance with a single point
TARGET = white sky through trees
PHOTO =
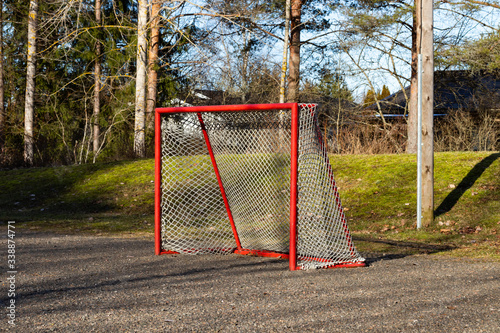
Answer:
(382, 60)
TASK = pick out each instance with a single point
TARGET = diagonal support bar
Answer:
(219, 180)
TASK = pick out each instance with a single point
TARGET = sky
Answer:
(364, 67)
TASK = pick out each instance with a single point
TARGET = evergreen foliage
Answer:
(371, 97)
(480, 54)
(64, 81)
(333, 84)
(211, 45)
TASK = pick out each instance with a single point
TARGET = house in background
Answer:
(205, 97)
(459, 90)
(199, 97)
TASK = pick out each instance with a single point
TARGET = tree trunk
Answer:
(411, 145)
(294, 74)
(140, 82)
(427, 114)
(284, 62)
(2, 108)
(153, 63)
(30, 84)
(97, 79)
(244, 67)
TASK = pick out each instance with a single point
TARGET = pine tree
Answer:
(333, 84)
(294, 72)
(384, 93)
(369, 98)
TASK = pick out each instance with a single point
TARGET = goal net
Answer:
(248, 179)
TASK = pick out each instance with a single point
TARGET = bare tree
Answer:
(284, 64)
(394, 34)
(153, 62)
(140, 82)
(30, 84)
(411, 146)
(97, 79)
(493, 4)
(245, 38)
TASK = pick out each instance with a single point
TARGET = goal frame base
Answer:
(282, 255)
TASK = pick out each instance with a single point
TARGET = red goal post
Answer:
(224, 176)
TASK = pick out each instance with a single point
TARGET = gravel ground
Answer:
(69, 283)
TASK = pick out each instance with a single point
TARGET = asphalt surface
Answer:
(69, 283)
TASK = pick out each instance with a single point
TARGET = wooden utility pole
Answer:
(427, 113)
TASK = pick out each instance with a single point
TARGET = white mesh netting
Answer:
(252, 154)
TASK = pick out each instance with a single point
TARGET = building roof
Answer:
(453, 90)
(206, 97)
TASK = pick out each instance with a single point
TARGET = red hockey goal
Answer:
(248, 179)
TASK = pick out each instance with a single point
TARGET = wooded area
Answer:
(79, 79)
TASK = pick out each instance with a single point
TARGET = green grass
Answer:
(108, 197)
(378, 192)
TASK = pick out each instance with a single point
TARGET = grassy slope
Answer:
(378, 192)
(110, 197)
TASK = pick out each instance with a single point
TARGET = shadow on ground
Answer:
(450, 201)
(399, 249)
